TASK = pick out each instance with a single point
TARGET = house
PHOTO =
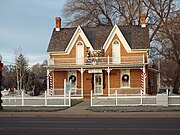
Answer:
(103, 59)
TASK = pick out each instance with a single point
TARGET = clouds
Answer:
(29, 24)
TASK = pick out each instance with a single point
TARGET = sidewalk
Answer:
(79, 110)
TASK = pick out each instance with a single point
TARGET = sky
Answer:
(27, 24)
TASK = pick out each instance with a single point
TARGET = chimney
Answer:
(143, 20)
(58, 23)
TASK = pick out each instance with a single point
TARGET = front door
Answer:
(98, 84)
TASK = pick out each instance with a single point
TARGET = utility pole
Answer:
(1, 67)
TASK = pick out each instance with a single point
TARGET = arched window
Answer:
(79, 43)
(116, 52)
(116, 42)
(79, 53)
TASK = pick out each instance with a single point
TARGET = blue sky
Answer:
(27, 24)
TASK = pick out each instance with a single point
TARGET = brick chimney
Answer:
(143, 20)
(58, 23)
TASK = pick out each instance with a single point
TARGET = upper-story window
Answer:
(115, 42)
(79, 53)
(116, 52)
(79, 43)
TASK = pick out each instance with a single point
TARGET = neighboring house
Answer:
(102, 59)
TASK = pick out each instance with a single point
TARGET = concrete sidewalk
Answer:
(80, 110)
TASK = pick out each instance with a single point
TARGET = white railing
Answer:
(132, 100)
(97, 61)
(23, 100)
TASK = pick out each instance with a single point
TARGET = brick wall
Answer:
(59, 79)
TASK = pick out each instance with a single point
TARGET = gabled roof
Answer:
(136, 37)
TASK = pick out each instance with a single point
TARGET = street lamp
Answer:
(1, 66)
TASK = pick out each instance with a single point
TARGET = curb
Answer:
(93, 115)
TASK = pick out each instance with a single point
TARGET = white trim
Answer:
(122, 39)
(128, 72)
(72, 73)
(78, 32)
(100, 85)
(144, 71)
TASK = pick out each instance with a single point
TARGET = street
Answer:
(87, 126)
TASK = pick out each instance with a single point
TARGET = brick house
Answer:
(102, 59)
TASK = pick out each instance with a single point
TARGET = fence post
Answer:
(167, 91)
(70, 98)
(141, 98)
(45, 94)
(91, 98)
(116, 97)
(22, 98)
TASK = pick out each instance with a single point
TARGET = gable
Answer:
(78, 33)
(117, 34)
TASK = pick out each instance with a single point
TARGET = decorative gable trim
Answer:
(117, 31)
(78, 32)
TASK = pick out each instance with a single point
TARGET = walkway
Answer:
(78, 109)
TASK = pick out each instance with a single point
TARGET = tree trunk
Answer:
(177, 81)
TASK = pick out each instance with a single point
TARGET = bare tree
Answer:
(102, 12)
(89, 12)
(167, 38)
(9, 76)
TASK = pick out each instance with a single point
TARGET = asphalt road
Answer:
(89, 126)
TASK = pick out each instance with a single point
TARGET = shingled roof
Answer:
(137, 37)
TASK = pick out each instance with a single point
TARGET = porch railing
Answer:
(97, 61)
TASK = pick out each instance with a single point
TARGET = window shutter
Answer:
(92, 81)
(104, 84)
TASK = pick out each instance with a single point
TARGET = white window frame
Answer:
(116, 60)
(75, 74)
(126, 71)
(79, 61)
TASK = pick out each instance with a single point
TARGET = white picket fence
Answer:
(131, 100)
(23, 100)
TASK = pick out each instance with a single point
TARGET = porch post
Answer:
(82, 82)
(108, 81)
(144, 78)
(48, 82)
(53, 82)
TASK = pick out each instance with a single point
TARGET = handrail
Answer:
(97, 61)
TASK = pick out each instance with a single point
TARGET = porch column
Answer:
(48, 81)
(108, 71)
(53, 82)
(82, 71)
(144, 78)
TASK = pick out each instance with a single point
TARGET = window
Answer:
(79, 43)
(79, 53)
(115, 42)
(125, 78)
(116, 52)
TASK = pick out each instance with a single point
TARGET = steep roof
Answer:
(137, 37)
